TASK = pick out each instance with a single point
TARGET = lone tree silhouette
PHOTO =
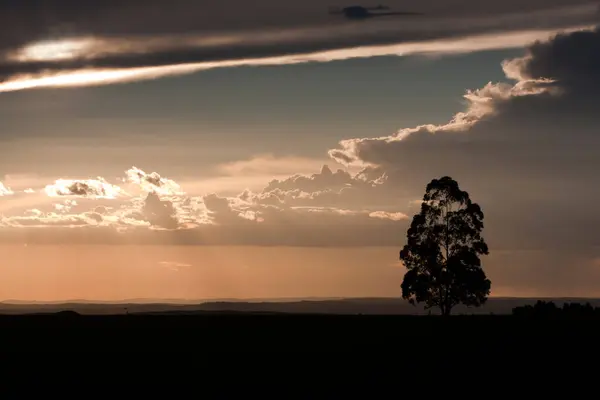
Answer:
(442, 251)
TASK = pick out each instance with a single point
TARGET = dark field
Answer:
(219, 331)
(378, 326)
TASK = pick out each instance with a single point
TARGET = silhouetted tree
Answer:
(442, 251)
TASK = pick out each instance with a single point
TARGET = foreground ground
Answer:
(280, 332)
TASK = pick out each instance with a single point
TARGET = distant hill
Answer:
(373, 306)
(163, 301)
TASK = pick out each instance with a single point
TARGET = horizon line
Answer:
(253, 300)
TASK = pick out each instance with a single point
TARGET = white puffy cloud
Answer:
(325, 189)
(153, 182)
(93, 188)
(138, 200)
(4, 191)
(304, 213)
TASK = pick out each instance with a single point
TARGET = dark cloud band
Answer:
(263, 29)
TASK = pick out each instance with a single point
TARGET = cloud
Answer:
(23, 182)
(37, 219)
(175, 266)
(525, 149)
(325, 180)
(543, 84)
(528, 149)
(391, 216)
(94, 188)
(4, 191)
(572, 60)
(152, 182)
(70, 47)
(230, 225)
(269, 165)
(342, 189)
(89, 215)
(482, 104)
(96, 202)
(160, 213)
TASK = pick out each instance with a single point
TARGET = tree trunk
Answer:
(445, 310)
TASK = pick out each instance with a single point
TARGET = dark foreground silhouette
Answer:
(572, 328)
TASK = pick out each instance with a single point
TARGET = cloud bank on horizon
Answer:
(54, 43)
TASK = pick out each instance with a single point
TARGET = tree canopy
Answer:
(443, 249)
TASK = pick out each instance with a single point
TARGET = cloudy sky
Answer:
(197, 150)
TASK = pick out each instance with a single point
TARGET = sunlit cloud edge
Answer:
(466, 44)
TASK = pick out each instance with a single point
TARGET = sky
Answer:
(196, 151)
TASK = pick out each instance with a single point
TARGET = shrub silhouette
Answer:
(547, 309)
